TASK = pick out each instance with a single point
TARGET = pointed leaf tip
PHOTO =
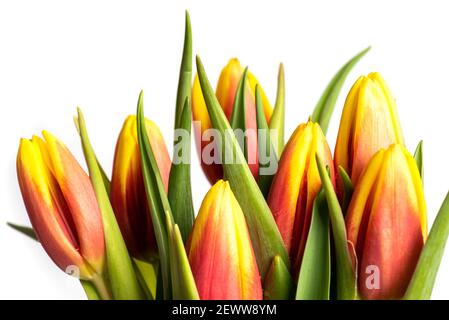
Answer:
(326, 104)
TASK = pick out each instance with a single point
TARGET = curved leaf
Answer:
(278, 117)
(183, 283)
(325, 106)
(315, 273)
(121, 275)
(346, 278)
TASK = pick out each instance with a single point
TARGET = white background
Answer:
(56, 55)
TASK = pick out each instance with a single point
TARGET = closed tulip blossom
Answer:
(386, 222)
(225, 92)
(295, 186)
(220, 251)
(128, 196)
(61, 205)
(369, 122)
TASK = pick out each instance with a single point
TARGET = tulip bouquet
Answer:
(289, 221)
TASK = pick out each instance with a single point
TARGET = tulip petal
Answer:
(220, 251)
(325, 106)
(423, 280)
(315, 271)
(265, 236)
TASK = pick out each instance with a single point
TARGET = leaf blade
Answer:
(346, 278)
(326, 104)
(314, 275)
(277, 121)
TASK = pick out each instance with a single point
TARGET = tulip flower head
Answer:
(61, 205)
(220, 251)
(295, 186)
(226, 92)
(128, 196)
(386, 222)
(369, 122)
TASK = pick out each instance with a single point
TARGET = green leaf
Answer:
(315, 273)
(185, 72)
(238, 116)
(423, 280)
(121, 275)
(265, 236)
(90, 290)
(278, 117)
(419, 159)
(267, 153)
(29, 232)
(348, 188)
(147, 275)
(325, 106)
(179, 186)
(157, 198)
(278, 283)
(104, 176)
(183, 283)
(346, 278)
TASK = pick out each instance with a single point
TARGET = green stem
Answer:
(102, 288)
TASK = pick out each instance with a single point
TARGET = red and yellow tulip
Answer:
(62, 206)
(225, 92)
(220, 251)
(369, 122)
(295, 186)
(128, 197)
(386, 223)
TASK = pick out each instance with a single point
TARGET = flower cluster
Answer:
(279, 221)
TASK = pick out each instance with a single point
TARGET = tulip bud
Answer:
(220, 251)
(62, 206)
(369, 122)
(386, 222)
(128, 196)
(226, 92)
(295, 186)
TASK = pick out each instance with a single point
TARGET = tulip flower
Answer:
(295, 186)
(220, 251)
(369, 122)
(386, 223)
(128, 197)
(226, 92)
(62, 206)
